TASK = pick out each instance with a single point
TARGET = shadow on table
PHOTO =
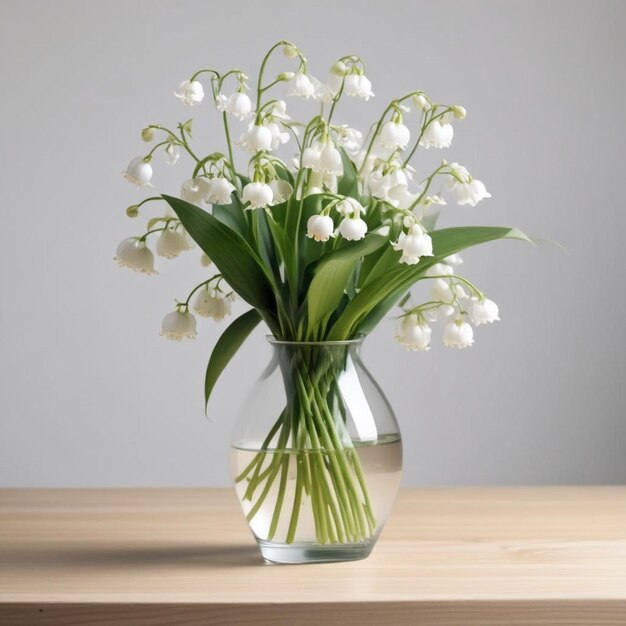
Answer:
(149, 556)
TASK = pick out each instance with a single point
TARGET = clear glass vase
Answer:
(316, 455)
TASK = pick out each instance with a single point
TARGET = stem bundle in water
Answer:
(311, 430)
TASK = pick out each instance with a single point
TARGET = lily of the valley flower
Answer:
(171, 243)
(458, 334)
(414, 244)
(256, 138)
(394, 135)
(330, 161)
(237, 104)
(413, 334)
(179, 325)
(281, 191)
(357, 85)
(301, 86)
(437, 135)
(421, 102)
(138, 172)
(173, 154)
(469, 193)
(257, 195)
(220, 190)
(278, 136)
(190, 92)
(210, 302)
(195, 190)
(484, 311)
(352, 228)
(135, 255)
(350, 139)
(320, 227)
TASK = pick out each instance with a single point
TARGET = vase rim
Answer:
(340, 342)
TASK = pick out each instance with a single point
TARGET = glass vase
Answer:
(316, 455)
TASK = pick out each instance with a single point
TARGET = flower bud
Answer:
(205, 261)
(459, 112)
(147, 134)
(291, 52)
(421, 103)
(132, 210)
(285, 76)
(339, 69)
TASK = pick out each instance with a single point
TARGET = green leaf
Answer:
(332, 274)
(233, 216)
(234, 258)
(348, 184)
(226, 348)
(374, 301)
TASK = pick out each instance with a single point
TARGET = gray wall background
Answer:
(91, 395)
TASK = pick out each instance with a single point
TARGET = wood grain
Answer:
(449, 557)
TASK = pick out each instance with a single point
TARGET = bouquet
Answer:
(322, 243)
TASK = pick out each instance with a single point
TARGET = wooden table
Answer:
(461, 557)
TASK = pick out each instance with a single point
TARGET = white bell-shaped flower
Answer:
(237, 104)
(171, 243)
(281, 191)
(454, 259)
(257, 195)
(413, 334)
(195, 190)
(256, 138)
(352, 228)
(220, 190)
(301, 86)
(394, 135)
(320, 227)
(135, 255)
(421, 103)
(279, 136)
(484, 311)
(179, 325)
(330, 161)
(138, 172)
(212, 303)
(358, 86)
(173, 154)
(440, 290)
(400, 196)
(414, 244)
(190, 92)
(350, 139)
(437, 135)
(311, 158)
(350, 207)
(458, 334)
(469, 193)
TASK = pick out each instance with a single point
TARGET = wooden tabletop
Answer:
(462, 557)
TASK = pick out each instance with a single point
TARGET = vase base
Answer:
(292, 553)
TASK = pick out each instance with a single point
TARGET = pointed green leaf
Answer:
(373, 302)
(226, 348)
(332, 274)
(234, 258)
